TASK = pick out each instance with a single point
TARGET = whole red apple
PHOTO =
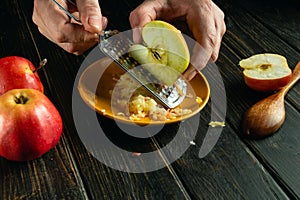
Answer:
(30, 125)
(16, 73)
(266, 72)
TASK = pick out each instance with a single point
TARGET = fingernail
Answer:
(94, 21)
(104, 22)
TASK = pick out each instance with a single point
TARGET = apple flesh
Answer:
(17, 73)
(30, 125)
(164, 53)
(266, 72)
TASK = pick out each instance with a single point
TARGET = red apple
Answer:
(16, 73)
(30, 125)
(266, 72)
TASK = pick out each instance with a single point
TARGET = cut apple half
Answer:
(164, 51)
(266, 72)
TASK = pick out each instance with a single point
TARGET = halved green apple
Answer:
(266, 72)
(164, 52)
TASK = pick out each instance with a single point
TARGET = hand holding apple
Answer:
(16, 73)
(266, 72)
(30, 125)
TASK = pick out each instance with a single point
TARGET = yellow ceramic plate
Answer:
(98, 80)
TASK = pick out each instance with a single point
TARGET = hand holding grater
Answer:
(115, 45)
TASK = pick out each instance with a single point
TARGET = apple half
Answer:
(266, 72)
(164, 52)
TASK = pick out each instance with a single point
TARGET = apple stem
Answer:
(42, 64)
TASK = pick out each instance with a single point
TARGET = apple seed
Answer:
(265, 67)
(156, 55)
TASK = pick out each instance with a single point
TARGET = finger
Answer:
(205, 34)
(143, 14)
(199, 59)
(76, 15)
(221, 29)
(90, 15)
(60, 28)
(70, 33)
(190, 73)
(76, 48)
(137, 35)
(203, 49)
(55, 25)
(48, 17)
(202, 54)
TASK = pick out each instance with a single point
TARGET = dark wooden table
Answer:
(236, 168)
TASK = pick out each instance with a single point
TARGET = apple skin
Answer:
(266, 72)
(267, 85)
(30, 124)
(17, 73)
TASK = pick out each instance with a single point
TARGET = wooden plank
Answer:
(240, 97)
(54, 176)
(229, 171)
(49, 177)
(283, 19)
(156, 184)
(280, 153)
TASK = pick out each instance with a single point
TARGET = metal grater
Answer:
(116, 45)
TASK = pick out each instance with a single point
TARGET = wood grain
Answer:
(258, 41)
(47, 177)
(235, 169)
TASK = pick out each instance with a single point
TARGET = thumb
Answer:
(90, 15)
(143, 14)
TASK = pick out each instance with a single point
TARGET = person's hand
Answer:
(72, 36)
(204, 18)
